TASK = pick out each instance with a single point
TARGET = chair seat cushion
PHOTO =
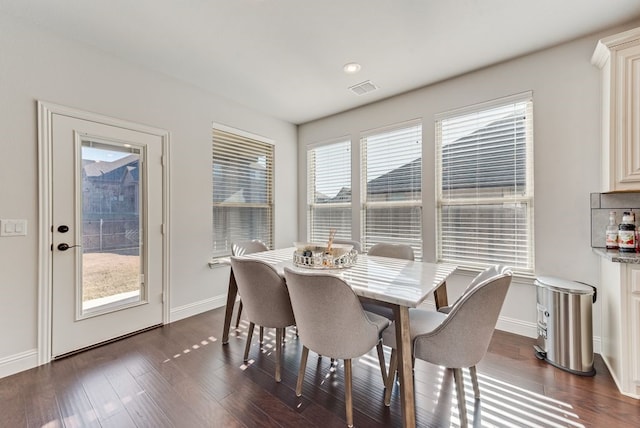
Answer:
(445, 309)
(380, 321)
(421, 321)
(378, 309)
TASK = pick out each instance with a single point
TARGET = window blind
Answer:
(484, 166)
(391, 162)
(242, 169)
(329, 191)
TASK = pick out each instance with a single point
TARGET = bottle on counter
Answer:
(612, 232)
(627, 234)
(633, 215)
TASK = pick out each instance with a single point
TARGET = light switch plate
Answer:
(12, 227)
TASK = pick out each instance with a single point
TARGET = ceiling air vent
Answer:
(363, 88)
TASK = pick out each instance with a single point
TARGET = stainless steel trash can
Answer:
(565, 333)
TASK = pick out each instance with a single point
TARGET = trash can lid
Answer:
(563, 285)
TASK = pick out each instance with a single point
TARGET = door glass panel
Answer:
(112, 230)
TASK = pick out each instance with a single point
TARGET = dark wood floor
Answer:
(180, 375)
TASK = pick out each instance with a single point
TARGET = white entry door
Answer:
(107, 232)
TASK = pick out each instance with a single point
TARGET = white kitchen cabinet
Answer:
(619, 295)
(618, 57)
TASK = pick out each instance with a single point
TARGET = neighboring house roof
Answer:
(406, 178)
(493, 163)
(114, 170)
(344, 195)
(484, 165)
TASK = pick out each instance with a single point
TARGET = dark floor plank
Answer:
(181, 375)
(141, 408)
(11, 395)
(40, 398)
(75, 408)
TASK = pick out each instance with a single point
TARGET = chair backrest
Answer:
(329, 317)
(264, 294)
(488, 273)
(483, 276)
(356, 245)
(396, 251)
(462, 339)
(241, 248)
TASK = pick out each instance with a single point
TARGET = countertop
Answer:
(618, 257)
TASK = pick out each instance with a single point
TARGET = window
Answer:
(242, 169)
(329, 190)
(484, 164)
(391, 165)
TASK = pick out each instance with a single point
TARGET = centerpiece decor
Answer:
(321, 256)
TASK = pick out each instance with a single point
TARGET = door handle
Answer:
(64, 246)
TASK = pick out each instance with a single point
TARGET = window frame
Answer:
(253, 141)
(311, 189)
(517, 200)
(417, 243)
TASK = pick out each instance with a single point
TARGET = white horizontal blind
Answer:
(329, 190)
(484, 166)
(242, 196)
(392, 187)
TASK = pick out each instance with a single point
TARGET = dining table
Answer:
(397, 283)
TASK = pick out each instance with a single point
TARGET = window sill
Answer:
(219, 262)
(518, 277)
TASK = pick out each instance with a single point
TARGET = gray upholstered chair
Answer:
(481, 277)
(458, 339)
(331, 322)
(356, 244)
(395, 251)
(241, 248)
(266, 301)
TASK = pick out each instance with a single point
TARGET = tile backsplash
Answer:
(601, 204)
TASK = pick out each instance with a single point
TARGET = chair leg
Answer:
(462, 408)
(279, 334)
(383, 368)
(348, 399)
(248, 346)
(391, 377)
(301, 370)
(474, 382)
(239, 313)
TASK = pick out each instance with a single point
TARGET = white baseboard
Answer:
(515, 326)
(29, 359)
(522, 328)
(616, 380)
(196, 308)
(18, 362)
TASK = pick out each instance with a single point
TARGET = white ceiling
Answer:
(285, 57)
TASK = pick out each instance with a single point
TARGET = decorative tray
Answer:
(317, 256)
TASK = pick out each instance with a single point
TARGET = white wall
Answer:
(566, 157)
(35, 65)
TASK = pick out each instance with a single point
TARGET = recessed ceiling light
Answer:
(352, 68)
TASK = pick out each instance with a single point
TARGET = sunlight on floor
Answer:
(501, 403)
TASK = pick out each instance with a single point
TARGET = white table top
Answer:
(396, 281)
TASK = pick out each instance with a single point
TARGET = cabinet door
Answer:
(634, 322)
(625, 115)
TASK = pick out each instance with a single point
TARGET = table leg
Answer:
(440, 296)
(231, 301)
(405, 366)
